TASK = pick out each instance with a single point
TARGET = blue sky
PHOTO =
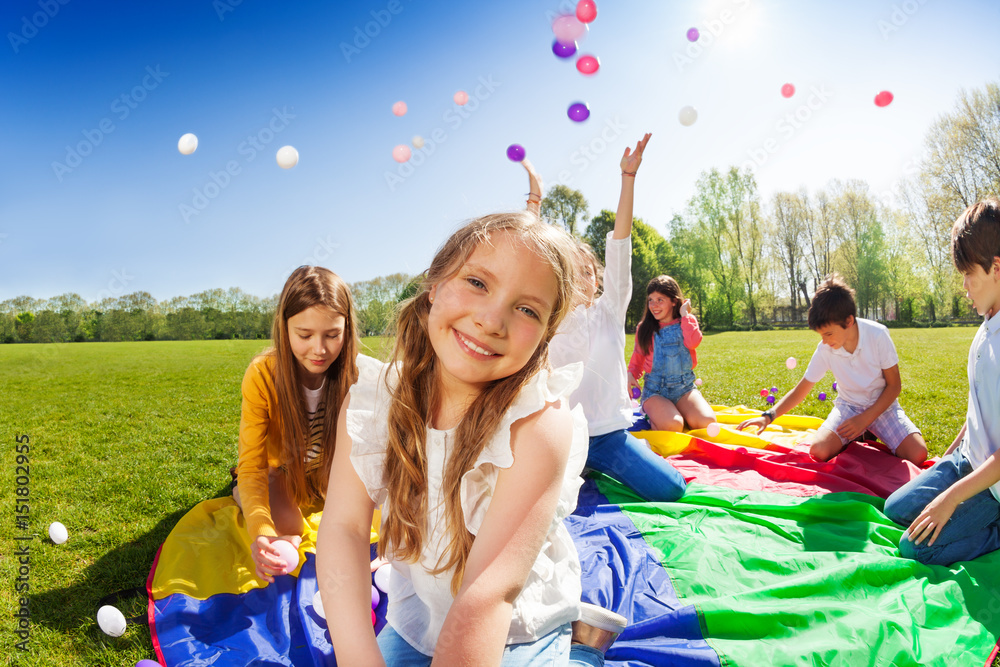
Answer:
(96, 199)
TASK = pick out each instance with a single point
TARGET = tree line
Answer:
(744, 260)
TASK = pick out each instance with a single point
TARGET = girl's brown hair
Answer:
(310, 286)
(648, 325)
(415, 395)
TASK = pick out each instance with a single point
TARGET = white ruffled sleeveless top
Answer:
(418, 600)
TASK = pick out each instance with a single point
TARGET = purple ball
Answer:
(563, 50)
(578, 112)
(636, 393)
(147, 663)
(774, 390)
(375, 597)
(515, 152)
(835, 385)
(693, 35)
(770, 399)
(822, 396)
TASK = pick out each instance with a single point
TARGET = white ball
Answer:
(687, 116)
(187, 144)
(288, 553)
(288, 157)
(318, 605)
(791, 363)
(111, 620)
(58, 533)
(418, 141)
(382, 577)
(713, 429)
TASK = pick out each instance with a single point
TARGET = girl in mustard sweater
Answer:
(292, 395)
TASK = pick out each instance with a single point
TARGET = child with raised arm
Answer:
(952, 511)
(665, 343)
(292, 395)
(863, 360)
(594, 333)
(472, 449)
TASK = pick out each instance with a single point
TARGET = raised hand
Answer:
(685, 307)
(633, 158)
(534, 187)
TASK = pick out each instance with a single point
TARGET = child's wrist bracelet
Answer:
(628, 173)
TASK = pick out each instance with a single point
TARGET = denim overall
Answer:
(672, 375)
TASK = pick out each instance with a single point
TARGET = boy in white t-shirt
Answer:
(952, 511)
(863, 360)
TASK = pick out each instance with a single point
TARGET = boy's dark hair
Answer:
(975, 237)
(832, 303)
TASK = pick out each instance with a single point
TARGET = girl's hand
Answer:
(632, 382)
(633, 158)
(931, 520)
(266, 558)
(534, 187)
(852, 428)
(760, 423)
(686, 307)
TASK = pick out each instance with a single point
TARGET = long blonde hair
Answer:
(310, 286)
(415, 394)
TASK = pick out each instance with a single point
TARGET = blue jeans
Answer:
(974, 528)
(625, 458)
(552, 649)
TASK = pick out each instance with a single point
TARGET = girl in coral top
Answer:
(665, 343)
(292, 395)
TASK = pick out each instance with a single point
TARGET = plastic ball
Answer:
(515, 152)
(687, 116)
(713, 429)
(770, 399)
(375, 597)
(318, 605)
(822, 396)
(382, 577)
(742, 450)
(883, 99)
(636, 392)
(568, 28)
(288, 553)
(461, 97)
(774, 390)
(147, 663)
(787, 90)
(111, 620)
(763, 393)
(693, 34)
(835, 385)
(791, 363)
(578, 112)
(187, 144)
(58, 533)
(401, 153)
(418, 141)
(287, 157)
(588, 65)
(399, 108)
(586, 11)
(697, 382)
(374, 618)
(563, 50)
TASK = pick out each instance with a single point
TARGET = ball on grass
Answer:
(148, 663)
(763, 393)
(822, 396)
(770, 399)
(791, 363)
(58, 533)
(111, 621)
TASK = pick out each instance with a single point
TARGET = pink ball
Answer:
(693, 35)
(568, 28)
(461, 97)
(787, 90)
(401, 153)
(373, 617)
(588, 65)
(713, 429)
(883, 99)
(399, 108)
(763, 393)
(586, 11)
(288, 553)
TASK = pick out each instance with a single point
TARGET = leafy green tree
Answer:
(597, 231)
(23, 327)
(564, 206)
(50, 327)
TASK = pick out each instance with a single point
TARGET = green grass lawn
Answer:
(126, 437)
